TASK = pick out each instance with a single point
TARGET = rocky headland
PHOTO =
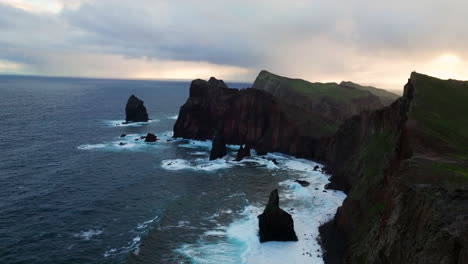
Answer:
(404, 166)
(267, 118)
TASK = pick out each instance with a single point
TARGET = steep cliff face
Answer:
(247, 116)
(272, 116)
(330, 103)
(404, 167)
(406, 173)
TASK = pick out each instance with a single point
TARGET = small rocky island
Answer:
(274, 223)
(135, 111)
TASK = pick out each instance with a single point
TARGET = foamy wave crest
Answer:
(132, 142)
(91, 146)
(122, 123)
(174, 117)
(87, 235)
(309, 207)
(133, 245)
(202, 145)
(198, 164)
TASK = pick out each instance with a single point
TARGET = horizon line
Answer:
(109, 78)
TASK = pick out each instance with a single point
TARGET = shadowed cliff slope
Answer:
(406, 173)
(385, 96)
(329, 103)
(283, 120)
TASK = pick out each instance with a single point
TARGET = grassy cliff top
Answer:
(385, 96)
(278, 85)
(441, 106)
(439, 113)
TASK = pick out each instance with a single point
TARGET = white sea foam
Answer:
(309, 206)
(131, 142)
(202, 145)
(198, 164)
(174, 117)
(146, 223)
(132, 246)
(88, 234)
(91, 146)
(122, 123)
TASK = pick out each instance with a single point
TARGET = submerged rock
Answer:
(122, 144)
(303, 183)
(275, 224)
(135, 111)
(123, 135)
(151, 138)
(243, 152)
(218, 148)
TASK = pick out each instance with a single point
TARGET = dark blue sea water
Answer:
(70, 193)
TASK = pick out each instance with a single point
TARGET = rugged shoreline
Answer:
(383, 159)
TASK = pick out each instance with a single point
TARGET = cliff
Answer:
(405, 169)
(272, 116)
(330, 103)
(386, 97)
(404, 166)
(249, 116)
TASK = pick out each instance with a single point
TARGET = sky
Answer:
(372, 42)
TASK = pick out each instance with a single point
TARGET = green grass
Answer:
(315, 91)
(454, 172)
(385, 96)
(441, 107)
(373, 159)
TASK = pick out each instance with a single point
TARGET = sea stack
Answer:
(135, 111)
(275, 224)
(243, 152)
(218, 148)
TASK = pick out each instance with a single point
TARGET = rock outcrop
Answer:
(151, 138)
(264, 119)
(218, 147)
(244, 151)
(217, 83)
(329, 103)
(406, 179)
(303, 183)
(274, 223)
(135, 111)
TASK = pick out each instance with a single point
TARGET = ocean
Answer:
(70, 193)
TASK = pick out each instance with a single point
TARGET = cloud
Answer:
(373, 42)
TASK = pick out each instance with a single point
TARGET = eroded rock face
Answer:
(217, 83)
(151, 138)
(273, 116)
(274, 223)
(135, 111)
(246, 116)
(400, 207)
(218, 147)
